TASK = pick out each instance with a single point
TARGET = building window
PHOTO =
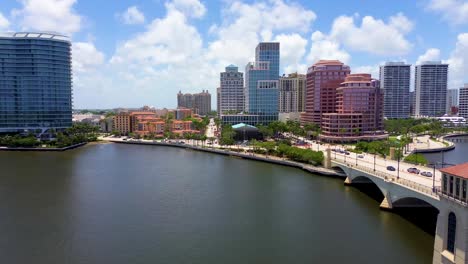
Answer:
(451, 185)
(444, 180)
(464, 190)
(457, 187)
(451, 230)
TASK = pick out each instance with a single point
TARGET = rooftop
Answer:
(38, 34)
(460, 170)
(241, 125)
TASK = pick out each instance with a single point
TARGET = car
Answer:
(347, 153)
(391, 168)
(360, 156)
(413, 170)
(334, 150)
(426, 173)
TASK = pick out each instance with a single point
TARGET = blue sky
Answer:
(142, 52)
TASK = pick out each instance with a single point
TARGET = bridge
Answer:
(402, 189)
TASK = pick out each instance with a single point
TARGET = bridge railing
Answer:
(386, 176)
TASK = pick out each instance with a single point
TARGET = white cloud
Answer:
(292, 50)
(4, 23)
(372, 69)
(453, 11)
(244, 25)
(133, 16)
(430, 55)
(190, 8)
(373, 35)
(49, 15)
(86, 56)
(167, 40)
(458, 62)
(326, 48)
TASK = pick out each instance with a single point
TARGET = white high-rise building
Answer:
(463, 101)
(430, 86)
(231, 92)
(395, 83)
(292, 93)
(452, 100)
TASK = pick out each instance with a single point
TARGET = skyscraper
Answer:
(359, 112)
(292, 93)
(261, 82)
(323, 79)
(200, 103)
(35, 82)
(231, 98)
(452, 101)
(463, 102)
(430, 89)
(395, 83)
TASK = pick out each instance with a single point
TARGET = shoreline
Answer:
(305, 167)
(44, 149)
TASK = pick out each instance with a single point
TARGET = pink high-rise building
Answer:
(323, 79)
(358, 114)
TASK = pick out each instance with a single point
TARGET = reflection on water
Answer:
(115, 203)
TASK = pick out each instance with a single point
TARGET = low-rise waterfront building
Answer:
(121, 123)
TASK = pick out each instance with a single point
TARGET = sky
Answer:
(130, 53)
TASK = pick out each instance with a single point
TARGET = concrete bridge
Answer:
(400, 192)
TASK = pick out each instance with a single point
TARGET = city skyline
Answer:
(130, 48)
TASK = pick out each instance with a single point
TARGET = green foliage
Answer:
(416, 158)
(227, 135)
(293, 153)
(18, 141)
(416, 126)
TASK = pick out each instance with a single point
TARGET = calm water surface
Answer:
(456, 156)
(111, 203)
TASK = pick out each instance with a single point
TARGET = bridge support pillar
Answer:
(386, 203)
(445, 227)
(347, 181)
(327, 160)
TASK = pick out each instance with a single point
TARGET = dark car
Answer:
(391, 168)
(347, 152)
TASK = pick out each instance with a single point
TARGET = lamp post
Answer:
(356, 158)
(433, 178)
(398, 170)
(374, 161)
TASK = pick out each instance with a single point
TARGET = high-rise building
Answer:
(35, 82)
(200, 103)
(359, 111)
(452, 101)
(323, 79)
(395, 83)
(430, 89)
(218, 101)
(231, 91)
(463, 102)
(292, 93)
(261, 82)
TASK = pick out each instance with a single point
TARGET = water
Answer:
(112, 203)
(453, 157)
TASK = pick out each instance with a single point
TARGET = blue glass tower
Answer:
(35, 82)
(261, 82)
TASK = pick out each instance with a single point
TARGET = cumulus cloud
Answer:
(458, 62)
(244, 25)
(292, 50)
(373, 35)
(4, 23)
(190, 8)
(49, 15)
(430, 55)
(86, 56)
(453, 11)
(326, 48)
(167, 40)
(132, 16)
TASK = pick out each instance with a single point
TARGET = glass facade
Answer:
(35, 82)
(261, 82)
